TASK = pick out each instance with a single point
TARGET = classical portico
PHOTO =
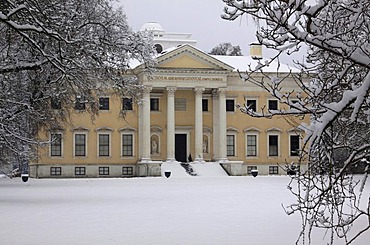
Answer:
(187, 75)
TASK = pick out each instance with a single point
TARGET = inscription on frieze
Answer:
(190, 78)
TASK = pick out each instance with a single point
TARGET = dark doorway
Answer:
(180, 147)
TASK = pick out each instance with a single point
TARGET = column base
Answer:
(199, 160)
(145, 160)
(171, 160)
(222, 160)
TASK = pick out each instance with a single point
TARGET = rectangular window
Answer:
(294, 102)
(230, 145)
(127, 145)
(154, 104)
(252, 105)
(56, 145)
(127, 104)
(103, 170)
(250, 168)
(251, 145)
(104, 104)
(180, 104)
(80, 145)
(294, 145)
(80, 171)
(273, 170)
(103, 145)
(273, 145)
(55, 171)
(56, 104)
(273, 105)
(230, 105)
(204, 105)
(128, 171)
(80, 103)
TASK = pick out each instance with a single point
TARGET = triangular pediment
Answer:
(189, 57)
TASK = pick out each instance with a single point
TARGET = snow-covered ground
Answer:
(196, 210)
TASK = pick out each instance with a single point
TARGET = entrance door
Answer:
(180, 147)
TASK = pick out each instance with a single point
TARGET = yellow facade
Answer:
(181, 72)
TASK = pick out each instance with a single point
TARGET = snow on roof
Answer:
(152, 26)
(246, 63)
(239, 63)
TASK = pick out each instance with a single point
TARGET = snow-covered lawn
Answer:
(197, 210)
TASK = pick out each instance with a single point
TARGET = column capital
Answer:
(147, 89)
(199, 90)
(222, 91)
(171, 89)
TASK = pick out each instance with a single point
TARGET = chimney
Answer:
(255, 51)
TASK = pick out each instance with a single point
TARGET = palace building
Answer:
(187, 114)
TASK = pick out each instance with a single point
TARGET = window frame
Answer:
(255, 103)
(103, 171)
(55, 103)
(181, 104)
(52, 144)
(127, 171)
(273, 170)
(290, 145)
(127, 104)
(75, 146)
(132, 144)
(80, 171)
(256, 145)
(154, 104)
(55, 171)
(205, 106)
(269, 106)
(277, 144)
(99, 145)
(80, 103)
(228, 105)
(250, 168)
(233, 145)
(104, 104)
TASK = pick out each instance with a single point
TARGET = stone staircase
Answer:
(188, 168)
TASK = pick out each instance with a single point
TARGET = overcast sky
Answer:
(201, 18)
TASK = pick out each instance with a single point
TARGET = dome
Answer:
(152, 26)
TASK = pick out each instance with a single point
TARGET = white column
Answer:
(145, 136)
(198, 125)
(216, 123)
(171, 124)
(222, 124)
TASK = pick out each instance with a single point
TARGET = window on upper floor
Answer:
(56, 104)
(204, 104)
(180, 104)
(154, 104)
(127, 104)
(252, 104)
(80, 103)
(273, 105)
(104, 104)
(230, 105)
